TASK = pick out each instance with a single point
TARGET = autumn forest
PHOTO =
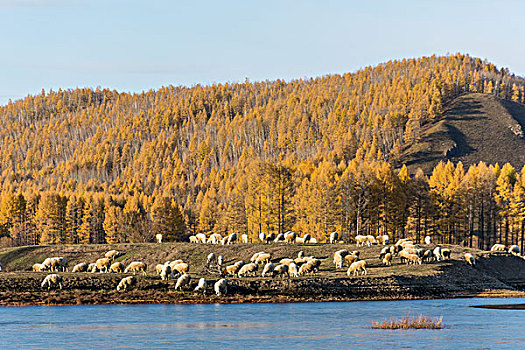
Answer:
(313, 155)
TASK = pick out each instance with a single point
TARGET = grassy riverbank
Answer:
(494, 275)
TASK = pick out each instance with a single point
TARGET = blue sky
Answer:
(140, 45)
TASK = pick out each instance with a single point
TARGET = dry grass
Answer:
(409, 322)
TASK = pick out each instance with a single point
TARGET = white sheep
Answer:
(413, 259)
(263, 258)
(497, 248)
(469, 258)
(212, 257)
(232, 238)
(308, 267)
(221, 287)
(230, 270)
(293, 270)
(182, 281)
(244, 238)
(428, 240)
(333, 237)
(307, 238)
(166, 272)
(351, 258)
(280, 270)
(268, 270)
(37, 267)
(181, 268)
(201, 286)
(289, 237)
(514, 250)
(262, 237)
(269, 237)
(117, 267)
(356, 267)
(361, 240)
(201, 237)
(103, 264)
(92, 267)
(52, 280)
(384, 239)
(286, 261)
(136, 266)
(193, 239)
(387, 259)
(445, 253)
(371, 240)
(279, 238)
(437, 253)
(427, 255)
(112, 254)
(158, 236)
(250, 268)
(339, 258)
(127, 282)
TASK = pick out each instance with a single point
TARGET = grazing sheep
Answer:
(221, 287)
(173, 263)
(383, 252)
(224, 240)
(309, 267)
(333, 237)
(413, 259)
(497, 248)
(351, 258)
(62, 263)
(410, 250)
(262, 237)
(269, 237)
(263, 258)
(469, 258)
(514, 250)
(182, 281)
(117, 267)
(239, 263)
(313, 240)
(201, 286)
(112, 254)
(339, 258)
(286, 261)
(300, 261)
(445, 253)
(159, 267)
(254, 256)
(371, 240)
(46, 264)
(307, 238)
(280, 270)
(166, 272)
(244, 238)
(403, 256)
(194, 239)
(136, 266)
(356, 267)
(158, 236)
(181, 268)
(103, 264)
(211, 259)
(289, 236)
(201, 237)
(279, 238)
(92, 267)
(38, 267)
(230, 270)
(127, 282)
(361, 240)
(216, 238)
(387, 259)
(428, 240)
(268, 270)
(299, 240)
(437, 253)
(293, 270)
(232, 238)
(52, 280)
(250, 268)
(384, 239)
(427, 255)
(300, 254)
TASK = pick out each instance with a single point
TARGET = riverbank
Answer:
(494, 275)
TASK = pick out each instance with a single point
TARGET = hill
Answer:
(495, 274)
(474, 128)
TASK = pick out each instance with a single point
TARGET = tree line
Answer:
(312, 155)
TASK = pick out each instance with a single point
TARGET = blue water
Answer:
(261, 326)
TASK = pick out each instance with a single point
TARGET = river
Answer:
(333, 325)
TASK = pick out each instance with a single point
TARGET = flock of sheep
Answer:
(280, 267)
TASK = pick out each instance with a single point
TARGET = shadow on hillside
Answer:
(462, 147)
(17, 252)
(466, 109)
(516, 110)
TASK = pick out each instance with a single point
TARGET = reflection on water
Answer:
(269, 326)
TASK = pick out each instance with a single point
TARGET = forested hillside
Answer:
(313, 156)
